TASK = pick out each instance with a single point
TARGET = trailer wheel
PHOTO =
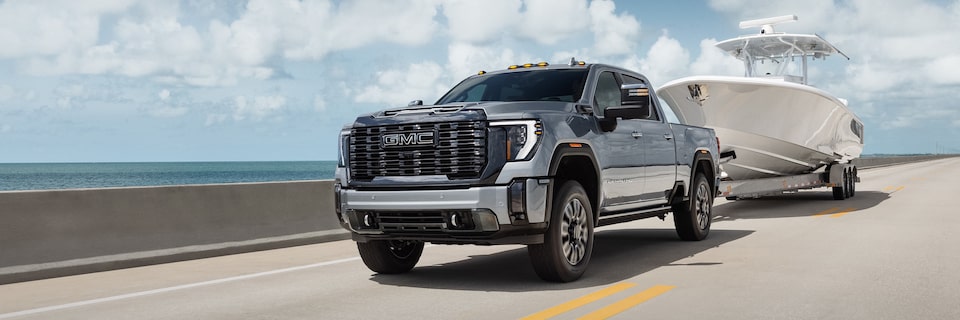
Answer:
(568, 243)
(842, 191)
(390, 256)
(853, 182)
(693, 217)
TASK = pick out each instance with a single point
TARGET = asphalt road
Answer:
(889, 253)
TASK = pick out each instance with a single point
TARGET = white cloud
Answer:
(164, 95)
(464, 60)
(549, 21)
(612, 34)
(944, 70)
(480, 22)
(714, 61)
(257, 108)
(150, 39)
(666, 60)
(51, 27)
(420, 81)
(902, 52)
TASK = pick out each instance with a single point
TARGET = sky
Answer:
(275, 80)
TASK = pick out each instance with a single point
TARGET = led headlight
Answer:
(522, 137)
(343, 148)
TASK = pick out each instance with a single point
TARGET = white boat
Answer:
(771, 119)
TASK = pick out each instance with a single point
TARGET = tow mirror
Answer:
(415, 103)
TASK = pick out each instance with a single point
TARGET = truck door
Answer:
(659, 152)
(623, 172)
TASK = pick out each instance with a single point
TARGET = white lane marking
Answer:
(169, 289)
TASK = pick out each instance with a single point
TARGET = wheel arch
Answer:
(586, 171)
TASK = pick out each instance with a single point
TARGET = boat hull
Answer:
(774, 127)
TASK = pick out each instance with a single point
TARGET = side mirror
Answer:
(415, 103)
(635, 94)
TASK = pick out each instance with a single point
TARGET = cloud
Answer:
(215, 118)
(164, 95)
(257, 108)
(549, 21)
(612, 34)
(902, 52)
(6, 128)
(420, 81)
(149, 39)
(666, 59)
(714, 61)
(479, 22)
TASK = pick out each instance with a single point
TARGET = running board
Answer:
(632, 215)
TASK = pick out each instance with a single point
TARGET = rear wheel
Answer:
(390, 256)
(843, 190)
(568, 243)
(693, 217)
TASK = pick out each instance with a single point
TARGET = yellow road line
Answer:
(899, 188)
(627, 303)
(841, 213)
(579, 302)
(888, 188)
(826, 212)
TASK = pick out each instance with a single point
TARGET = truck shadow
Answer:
(803, 204)
(618, 255)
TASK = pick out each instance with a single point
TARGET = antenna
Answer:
(766, 24)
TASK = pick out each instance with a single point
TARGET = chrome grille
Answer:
(459, 151)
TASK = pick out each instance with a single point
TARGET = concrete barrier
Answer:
(61, 232)
(46, 234)
(893, 160)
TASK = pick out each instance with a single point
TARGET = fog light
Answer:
(459, 220)
(368, 220)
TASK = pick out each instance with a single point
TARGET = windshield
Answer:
(534, 85)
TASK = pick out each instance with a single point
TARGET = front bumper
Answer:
(515, 213)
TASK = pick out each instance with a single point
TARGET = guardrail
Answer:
(53, 233)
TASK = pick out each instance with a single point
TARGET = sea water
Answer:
(46, 176)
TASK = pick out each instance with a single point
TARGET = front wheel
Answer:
(568, 243)
(692, 218)
(390, 256)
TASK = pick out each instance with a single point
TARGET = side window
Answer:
(668, 111)
(652, 114)
(607, 93)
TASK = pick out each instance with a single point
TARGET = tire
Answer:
(853, 183)
(693, 217)
(390, 256)
(841, 192)
(568, 243)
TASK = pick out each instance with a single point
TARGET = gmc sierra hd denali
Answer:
(536, 154)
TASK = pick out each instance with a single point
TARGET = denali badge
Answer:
(425, 138)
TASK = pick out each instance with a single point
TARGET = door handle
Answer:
(668, 136)
(636, 134)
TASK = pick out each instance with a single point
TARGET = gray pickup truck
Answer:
(536, 154)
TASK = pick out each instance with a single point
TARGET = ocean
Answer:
(47, 176)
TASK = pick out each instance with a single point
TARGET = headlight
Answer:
(522, 137)
(343, 148)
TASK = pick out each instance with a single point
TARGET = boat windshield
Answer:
(534, 85)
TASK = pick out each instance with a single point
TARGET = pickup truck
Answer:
(535, 154)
